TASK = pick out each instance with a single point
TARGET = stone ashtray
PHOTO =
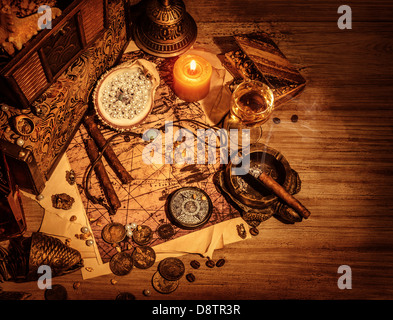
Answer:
(257, 206)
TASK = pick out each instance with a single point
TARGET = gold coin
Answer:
(121, 264)
(163, 285)
(171, 268)
(143, 257)
(142, 235)
(113, 232)
(165, 231)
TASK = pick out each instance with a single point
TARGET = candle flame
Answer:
(192, 65)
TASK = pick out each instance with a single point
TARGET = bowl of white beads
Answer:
(124, 96)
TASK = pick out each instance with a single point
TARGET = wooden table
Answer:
(342, 148)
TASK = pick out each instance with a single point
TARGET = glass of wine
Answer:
(251, 105)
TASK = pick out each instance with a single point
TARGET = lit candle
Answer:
(191, 78)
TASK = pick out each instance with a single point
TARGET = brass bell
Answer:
(165, 29)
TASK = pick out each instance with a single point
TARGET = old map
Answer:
(143, 200)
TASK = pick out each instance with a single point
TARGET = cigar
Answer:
(273, 186)
(109, 154)
(102, 176)
(283, 194)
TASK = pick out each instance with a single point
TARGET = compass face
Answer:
(189, 208)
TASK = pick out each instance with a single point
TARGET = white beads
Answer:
(85, 230)
(127, 95)
(20, 142)
(133, 225)
(130, 228)
(89, 242)
(150, 134)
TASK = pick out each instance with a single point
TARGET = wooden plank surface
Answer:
(342, 148)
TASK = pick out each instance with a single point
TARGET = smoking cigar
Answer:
(109, 154)
(102, 176)
(283, 194)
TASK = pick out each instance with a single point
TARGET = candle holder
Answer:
(251, 105)
(165, 29)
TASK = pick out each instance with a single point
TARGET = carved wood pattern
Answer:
(59, 109)
(93, 18)
(62, 46)
(55, 51)
(165, 14)
(31, 76)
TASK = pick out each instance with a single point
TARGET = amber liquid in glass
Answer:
(251, 108)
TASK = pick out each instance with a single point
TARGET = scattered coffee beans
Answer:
(294, 118)
(276, 120)
(210, 263)
(254, 231)
(195, 264)
(220, 263)
(190, 277)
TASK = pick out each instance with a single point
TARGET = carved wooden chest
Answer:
(49, 83)
(47, 55)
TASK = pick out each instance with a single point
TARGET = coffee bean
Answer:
(210, 263)
(276, 120)
(195, 264)
(254, 231)
(190, 277)
(294, 118)
(220, 263)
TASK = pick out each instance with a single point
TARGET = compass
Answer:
(189, 208)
